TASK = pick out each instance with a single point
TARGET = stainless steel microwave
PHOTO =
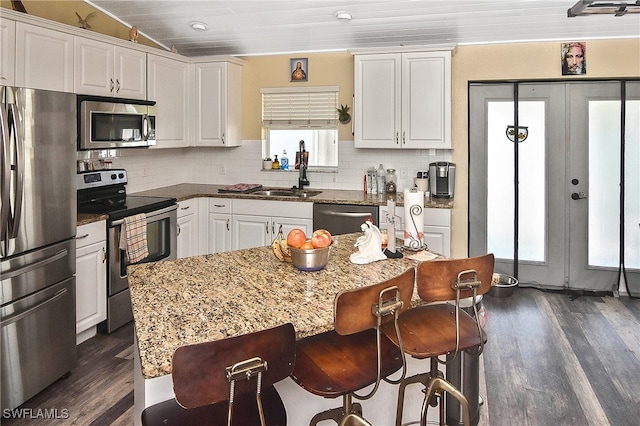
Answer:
(105, 123)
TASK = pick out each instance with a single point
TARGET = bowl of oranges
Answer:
(309, 254)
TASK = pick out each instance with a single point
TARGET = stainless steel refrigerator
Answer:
(37, 250)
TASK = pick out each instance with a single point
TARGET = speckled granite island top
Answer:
(209, 297)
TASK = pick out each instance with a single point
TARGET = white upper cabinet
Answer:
(44, 58)
(218, 104)
(7, 52)
(403, 100)
(106, 70)
(168, 85)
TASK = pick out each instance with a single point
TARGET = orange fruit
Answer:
(306, 246)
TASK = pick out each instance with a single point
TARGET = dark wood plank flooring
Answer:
(553, 358)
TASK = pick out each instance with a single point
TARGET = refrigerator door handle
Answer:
(34, 265)
(17, 317)
(18, 134)
(6, 170)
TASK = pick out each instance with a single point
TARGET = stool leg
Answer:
(436, 386)
(418, 378)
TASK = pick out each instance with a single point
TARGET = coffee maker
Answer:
(442, 176)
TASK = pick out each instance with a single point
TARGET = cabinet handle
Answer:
(185, 208)
(112, 84)
(104, 255)
(397, 138)
(228, 225)
(219, 205)
(403, 138)
(178, 227)
(82, 236)
(273, 228)
(266, 227)
(117, 86)
(223, 139)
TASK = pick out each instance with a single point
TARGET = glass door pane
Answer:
(632, 183)
(532, 182)
(604, 178)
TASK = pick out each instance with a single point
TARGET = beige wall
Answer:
(65, 12)
(324, 69)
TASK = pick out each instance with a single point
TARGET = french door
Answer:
(564, 231)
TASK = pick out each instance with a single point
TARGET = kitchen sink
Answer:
(283, 192)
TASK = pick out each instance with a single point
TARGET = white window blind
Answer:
(300, 107)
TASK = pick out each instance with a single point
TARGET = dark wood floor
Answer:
(551, 359)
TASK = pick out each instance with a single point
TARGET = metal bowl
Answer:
(502, 285)
(310, 260)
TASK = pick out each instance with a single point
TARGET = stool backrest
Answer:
(352, 308)
(199, 371)
(434, 279)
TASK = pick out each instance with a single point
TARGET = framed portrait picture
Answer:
(574, 58)
(298, 69)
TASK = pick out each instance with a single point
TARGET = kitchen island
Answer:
(214, 296)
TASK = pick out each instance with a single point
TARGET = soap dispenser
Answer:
(284, 161)
(276, 163)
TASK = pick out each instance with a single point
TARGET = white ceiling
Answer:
(244, 27)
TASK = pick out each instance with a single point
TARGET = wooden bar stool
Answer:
(229, 381)
(434, 329)
(355, 354)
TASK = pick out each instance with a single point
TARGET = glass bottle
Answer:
(276, 163)
(392, 181)
(381, 180)
(284, 161)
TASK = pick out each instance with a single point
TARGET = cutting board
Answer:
(240, 188)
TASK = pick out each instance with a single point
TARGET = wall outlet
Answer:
(403, 174)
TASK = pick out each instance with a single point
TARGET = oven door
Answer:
(161, 242)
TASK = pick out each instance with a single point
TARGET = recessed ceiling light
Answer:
(198, 26)
(343, 16)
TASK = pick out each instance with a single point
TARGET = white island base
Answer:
(301, 405)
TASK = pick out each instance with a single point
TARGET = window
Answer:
(290, 115)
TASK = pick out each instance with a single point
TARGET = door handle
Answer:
(578, 195)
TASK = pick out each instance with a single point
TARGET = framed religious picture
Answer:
(299, 69)
(574, 58)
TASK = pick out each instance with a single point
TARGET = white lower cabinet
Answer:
(219, 224)
(254, 230)
(437, 228)
(91, 278)
(187, 240)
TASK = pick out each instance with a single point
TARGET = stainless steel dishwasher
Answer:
(342, 218)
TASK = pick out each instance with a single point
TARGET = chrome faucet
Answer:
(302, 174)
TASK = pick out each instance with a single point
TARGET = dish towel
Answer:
(133, 237)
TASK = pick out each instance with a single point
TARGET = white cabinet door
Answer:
(219, 225)
(218, 104)
(426, 100)
(130, 71)
(7, 52)
(44, 58)
(289, 223)
(106, 70)
(377, 98)
(187, 239)
(168, 85)
(250, 231)
(219, 232)
(438, 239)
(403, 100)
(91, 279)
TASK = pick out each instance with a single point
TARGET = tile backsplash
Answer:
(153, 168)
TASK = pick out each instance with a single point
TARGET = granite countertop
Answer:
(86, 218)
(185, 191)
(210, 297)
